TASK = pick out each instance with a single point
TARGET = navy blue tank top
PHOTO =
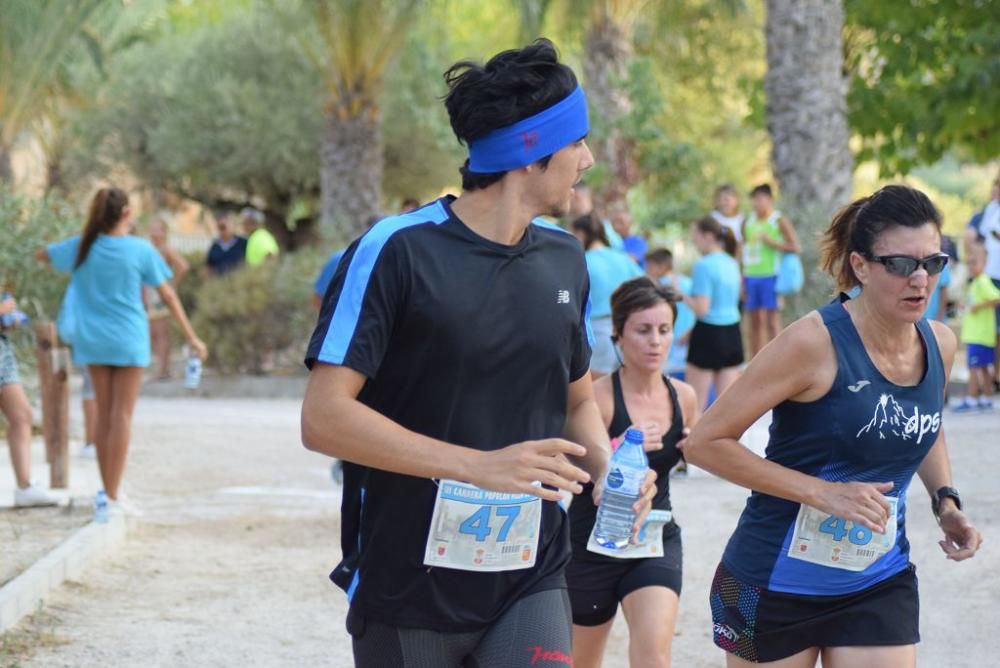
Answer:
(865, 429)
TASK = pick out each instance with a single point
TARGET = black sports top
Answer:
(583, 512)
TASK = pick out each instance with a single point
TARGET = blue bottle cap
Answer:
(634, 435)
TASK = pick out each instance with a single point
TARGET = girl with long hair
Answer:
(109, 268)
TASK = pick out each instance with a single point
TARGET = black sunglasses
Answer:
(904, 265)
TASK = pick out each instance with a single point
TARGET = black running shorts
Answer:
(596, 587)
(760, 625)
(715, 347)
(534, 631)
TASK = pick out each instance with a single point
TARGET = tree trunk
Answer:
(605, 70)
(806, 105)
(351, 168)
(6, 168)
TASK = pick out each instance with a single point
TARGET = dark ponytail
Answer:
(856, 227)
(105, 212)
(722, 234)
(592, 230)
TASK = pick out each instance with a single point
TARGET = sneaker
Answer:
(985, 404)
(965, 405)
(34, 496)
(88, 451)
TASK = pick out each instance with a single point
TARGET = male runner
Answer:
(451, 354)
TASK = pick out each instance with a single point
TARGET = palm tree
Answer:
(35, 38)
(806, 107)
(608, 34)
(608, 52)
(357, 42)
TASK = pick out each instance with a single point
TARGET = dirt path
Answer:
(229, 567)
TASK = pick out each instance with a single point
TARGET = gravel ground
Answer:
(240, 530)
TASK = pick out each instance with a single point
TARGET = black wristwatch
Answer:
(941, 495)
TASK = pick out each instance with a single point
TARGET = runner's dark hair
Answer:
(857, 226)
(724, 235)
(106, 210)
(638, 294)
(510, 87)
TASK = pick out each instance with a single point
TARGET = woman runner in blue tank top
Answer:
(637, 394)
(819, 562)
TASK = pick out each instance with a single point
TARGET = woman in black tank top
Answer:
(637, 394)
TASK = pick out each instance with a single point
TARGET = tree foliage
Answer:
(38, 39)
(926, 80)
(222, 113)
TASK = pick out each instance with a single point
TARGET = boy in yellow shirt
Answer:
(979, 328)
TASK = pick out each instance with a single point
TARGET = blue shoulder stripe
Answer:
(541, 222)
(342, 325)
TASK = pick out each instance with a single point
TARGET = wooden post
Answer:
(54, 368)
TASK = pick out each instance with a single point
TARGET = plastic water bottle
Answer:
(626, 473)
(13, 319)
(101, 507)
(192, 374)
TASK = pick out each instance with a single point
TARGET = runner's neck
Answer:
(641, 383)
(494, 213)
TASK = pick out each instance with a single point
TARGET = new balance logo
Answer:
(857, 387)
(562, 297)
(530, 139)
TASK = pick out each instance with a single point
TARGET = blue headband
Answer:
(531, 139)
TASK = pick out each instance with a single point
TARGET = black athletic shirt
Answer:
(464, 340)
(583, 512)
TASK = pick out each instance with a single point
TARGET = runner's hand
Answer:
(652, 436)
(858, 502)
(514, 469)
(8, 305)
(685, 432)
(198, 347)
(644, 504)
(962, 539)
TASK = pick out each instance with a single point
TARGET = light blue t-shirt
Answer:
(934, 302)
(110, 325)
(326, 274)
(677, 358)
(717, 276)
(608, 268)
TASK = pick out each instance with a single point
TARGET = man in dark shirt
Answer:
(228, 251)
(449, 370)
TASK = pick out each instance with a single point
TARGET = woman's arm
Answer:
(962, 539)
(800, 367)
(700, 304)
(790, 240)
(169, 297)
(178, 265)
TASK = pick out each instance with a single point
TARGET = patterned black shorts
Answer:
(760, 625)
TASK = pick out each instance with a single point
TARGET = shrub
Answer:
(257, 317)
(28, 224)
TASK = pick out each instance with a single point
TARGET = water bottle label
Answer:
(474, 529)
(649, 541)
(615, 479)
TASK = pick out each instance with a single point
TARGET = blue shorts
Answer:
(761, 293)
(979, 356)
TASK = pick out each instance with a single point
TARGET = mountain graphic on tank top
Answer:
(888, 415)
(891, 416)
